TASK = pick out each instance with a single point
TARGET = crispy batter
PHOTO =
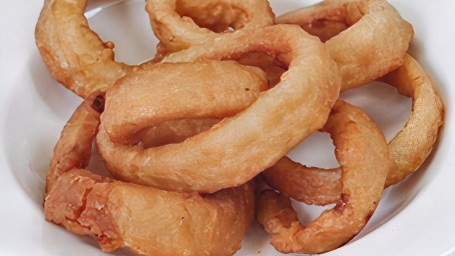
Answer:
(362, 151)
(409, 148)
(146, 220)
(374, 42)
(268, 128)
(200, 122)
(138, 102)
(73, 53)
(171, 91)
(180, 24)
(412, 145)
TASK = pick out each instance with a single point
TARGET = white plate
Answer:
(415, 217)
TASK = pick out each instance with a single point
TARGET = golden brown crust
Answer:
(374, 42)
(150, 221)
(170, 91)
(310, 185)
(75, 149)
(146, 220)
(179, 24)
(412, 145)
(272, 125)
(364, 156)
(73, 53)
(409, 148)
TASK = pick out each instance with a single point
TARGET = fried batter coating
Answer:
(148, 221)
(74, 54)
(409, 148)
(367, 39)
(365, 159)
(180, 24)
(239, 147)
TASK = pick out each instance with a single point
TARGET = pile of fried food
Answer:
(188, 135)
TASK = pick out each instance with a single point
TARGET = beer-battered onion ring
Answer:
(146, 220)
(160, 99)
(79, 131)
(238, 148)
(173, 91)
(362, 151)
(179, 24)
(409, 148)
(374, 43)
(74, 54)
(412, 145)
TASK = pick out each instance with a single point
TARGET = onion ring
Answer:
(146, 220)
(79, 131)
(74, 54)
(362, 151)
(374, 43)
(147, 97)
(409, 148)
(180, 24)
(236, 149)
(412, 145)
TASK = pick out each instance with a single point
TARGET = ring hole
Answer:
(389, 109)
(173, 131)
(328, 20)
(268, 63)
(132, 46)
(316, 150)
(217, 17)
(324, 28)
